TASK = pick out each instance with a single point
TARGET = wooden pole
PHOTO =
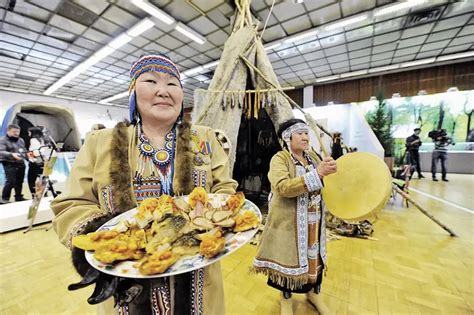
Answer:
(249, 91)
(408, 198)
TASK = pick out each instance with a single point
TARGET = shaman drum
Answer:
(360, 187)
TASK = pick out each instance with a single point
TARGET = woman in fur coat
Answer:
(292, 251)
(158, 153)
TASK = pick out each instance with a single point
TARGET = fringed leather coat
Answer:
(101, 183)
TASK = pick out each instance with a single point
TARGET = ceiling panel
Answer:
(360, 44)
(204, 24)
(456, 49)
(386, 38)
(452, 22)
(443, 35)
(417, 30)
(318, 63)
(384, 48)
(406, 51)
(357, 61)
(40, 42)
(287, 10)
(435, 45)
(314, 55)
(413, 41)
(388, 26)
(386, 55)
(19, 32)
(293, 26)
(66, 24)
(325, 14)
(462, 40)
(332, 40)
(428, 54)
(337, 58)
(23, 21)
(359, 53)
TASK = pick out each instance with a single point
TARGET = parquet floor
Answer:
(414, 267)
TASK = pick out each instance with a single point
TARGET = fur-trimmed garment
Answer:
(102, 182)
(283, 254)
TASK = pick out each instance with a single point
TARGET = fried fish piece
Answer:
(235, 201)
(123, 249)
(91, 241)
(198, 194)
(166, 231)
(212, 244)
(245, 221)
(158, 262)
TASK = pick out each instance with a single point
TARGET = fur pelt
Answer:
(78, 257)
(120, 169)
(183, 160)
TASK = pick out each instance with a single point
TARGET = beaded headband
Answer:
(156, 63)
(298, 127)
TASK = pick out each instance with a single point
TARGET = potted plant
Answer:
(380, 121)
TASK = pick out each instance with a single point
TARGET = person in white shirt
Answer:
(38, 154)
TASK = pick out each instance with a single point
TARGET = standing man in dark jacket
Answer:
(11, 149)
(413, 144)
(441, 141)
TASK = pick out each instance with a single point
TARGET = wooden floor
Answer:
(415, 267)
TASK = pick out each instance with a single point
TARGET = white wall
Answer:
(361, 136)
(308, 96)
(350, 121)
(86, 114)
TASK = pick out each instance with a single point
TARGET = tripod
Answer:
(43, 183)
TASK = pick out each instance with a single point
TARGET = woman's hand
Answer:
(326, 167)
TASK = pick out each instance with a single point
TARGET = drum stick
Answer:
(407, 197)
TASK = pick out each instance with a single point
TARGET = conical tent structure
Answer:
(244, 82)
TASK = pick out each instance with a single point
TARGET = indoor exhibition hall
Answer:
(240, 157)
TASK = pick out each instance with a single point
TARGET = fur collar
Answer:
(120, 172)
(183, 183)
(120, 169)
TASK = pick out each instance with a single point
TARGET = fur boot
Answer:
(317, 301)
(286, 305)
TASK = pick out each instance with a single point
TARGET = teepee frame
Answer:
(244, 58)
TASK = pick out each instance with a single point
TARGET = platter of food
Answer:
(167, 236)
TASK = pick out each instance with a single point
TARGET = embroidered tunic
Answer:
(292, 251)
(93, 193)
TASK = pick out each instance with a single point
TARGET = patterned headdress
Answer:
(152, 62)
(286, 134)
(298, 127)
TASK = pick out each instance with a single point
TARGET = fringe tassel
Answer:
(291, 282)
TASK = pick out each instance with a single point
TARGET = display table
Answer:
(14, 215)
(460, 162)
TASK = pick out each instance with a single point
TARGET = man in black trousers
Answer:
(441, 141)
(11, 149)
(413, 144)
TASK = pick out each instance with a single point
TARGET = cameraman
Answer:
(440, 152)
(11, 149)
(413, 144)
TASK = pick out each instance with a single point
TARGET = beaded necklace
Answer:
(159, 161)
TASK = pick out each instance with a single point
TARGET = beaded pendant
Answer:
(161, 156)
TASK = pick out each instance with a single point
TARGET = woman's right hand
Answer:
(326, 167)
